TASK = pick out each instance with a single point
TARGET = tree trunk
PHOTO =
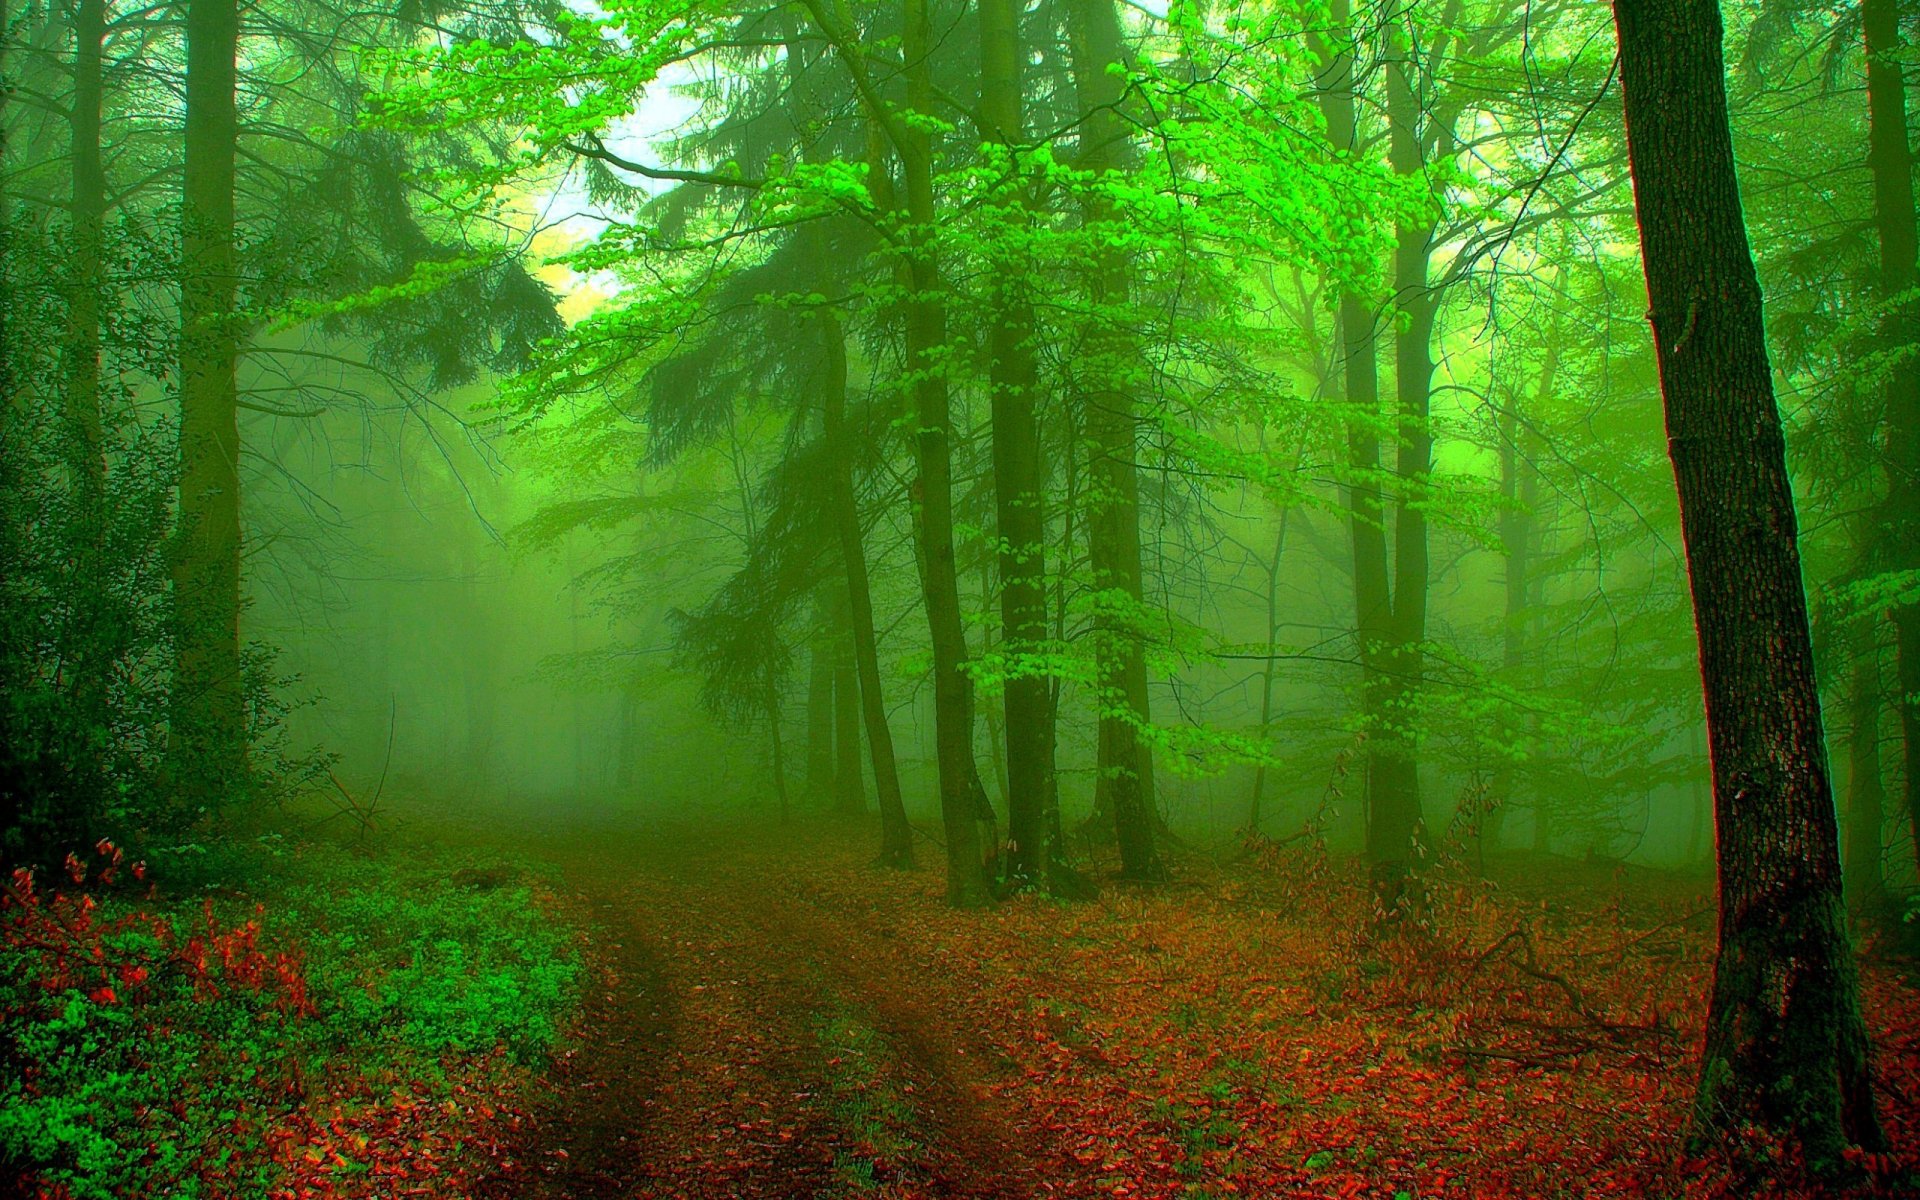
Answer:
(1123, 781)
(88, 643)
(1372, 589)
(1890, 159)
(896, 835)
(1786, 1047)
(926, 329)
(1393, 785)
(1017, 475)
(1267, 669)
(849, 786)
(86, 270)
(776, 748)
(1866, 795)
(208, 722)
(1517, 483)
(820, 702)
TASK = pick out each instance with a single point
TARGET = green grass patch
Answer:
(864, 1102)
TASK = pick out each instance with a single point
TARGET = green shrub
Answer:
(149, 1045)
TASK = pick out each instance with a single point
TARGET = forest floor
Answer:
(766, 1015)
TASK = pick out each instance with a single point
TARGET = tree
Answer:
(924, 318)
(1786, 1046)
(1890, 159)
(209, 724)
(1124, 786)
(1390, 820)
(1019, 503)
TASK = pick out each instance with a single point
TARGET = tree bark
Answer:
(1890, 160)
(1123, 783)
(1786, 1047)
(208, 722)
(86, 269)
(1017, 475)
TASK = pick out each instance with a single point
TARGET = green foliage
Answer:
(182, 1071)
(434, 969)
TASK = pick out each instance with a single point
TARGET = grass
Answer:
(864, 1103)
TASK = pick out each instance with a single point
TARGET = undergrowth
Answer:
(251, 1019)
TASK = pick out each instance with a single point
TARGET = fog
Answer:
(754, 592)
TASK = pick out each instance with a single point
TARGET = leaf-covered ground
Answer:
(758, 1013)
(771, 1017)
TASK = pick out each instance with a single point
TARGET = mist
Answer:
(935, 599)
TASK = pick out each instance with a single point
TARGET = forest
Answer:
(959, 598)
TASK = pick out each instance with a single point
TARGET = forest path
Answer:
(742, 1037)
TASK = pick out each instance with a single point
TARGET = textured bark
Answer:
(1125, 762)
(1890, 159)
(208, 723)
(1785, 1047)
(1017, 480)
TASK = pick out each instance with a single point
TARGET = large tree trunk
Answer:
(81, 352)
(1017, 476)
(1890, 158)
(1786, 1047)
(208, 722)
(1124, 777)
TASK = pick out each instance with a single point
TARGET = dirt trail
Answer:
(710, 1055)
